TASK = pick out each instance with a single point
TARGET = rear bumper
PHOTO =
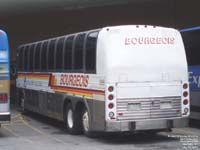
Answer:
(145, 125)
(4, 117)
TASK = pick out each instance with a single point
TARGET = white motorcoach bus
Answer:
(120, 78)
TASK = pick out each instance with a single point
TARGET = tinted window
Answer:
(31, 52)
(68, 53)
(59, 53)
(90, 60)
(51, 49)
(26, 50)
(44, 56)
(78, 52)
(37, 57)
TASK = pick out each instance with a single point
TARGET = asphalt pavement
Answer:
(35, 132)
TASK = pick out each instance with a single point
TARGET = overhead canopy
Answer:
(13, 7)
(32, 20)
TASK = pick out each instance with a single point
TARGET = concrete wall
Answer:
(37, 26)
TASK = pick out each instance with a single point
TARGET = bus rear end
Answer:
(4, 79)
(145, 75)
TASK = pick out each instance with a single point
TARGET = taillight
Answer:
(111, 105)
(3, 97)
(185, 102)
(111, 102)
(110, 88)
(110, 97)
(185, 86)
(185, 94)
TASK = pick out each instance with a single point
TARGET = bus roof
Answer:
(190, 29)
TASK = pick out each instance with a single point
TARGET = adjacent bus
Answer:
(4, 79)
(191, 38)
(113, 79)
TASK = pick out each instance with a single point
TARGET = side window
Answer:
(78, 52)
(68, 53)
(26, 50)
(37, 57)
(31, 52)
(50, 57)
(59, 53)
(90, 60)
(43, 58)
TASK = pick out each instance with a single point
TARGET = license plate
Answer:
(166, 105)
(134, 106)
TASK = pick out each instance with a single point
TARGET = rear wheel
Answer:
(86, 123)
(72, 120)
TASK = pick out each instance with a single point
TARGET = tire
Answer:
(85, 118)
(72, 120)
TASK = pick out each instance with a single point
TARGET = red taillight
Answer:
(110, 88)
(111, 105)
(185, 94)
(3, 98)
(110, 97)
(185, 102)
(185, 86)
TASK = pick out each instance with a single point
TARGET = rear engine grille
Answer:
(148, 108)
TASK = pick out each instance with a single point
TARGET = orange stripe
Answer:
(87, 94)
(68, 90)
(34, 76)
(77, 91)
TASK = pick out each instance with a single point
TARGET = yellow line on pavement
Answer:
(40, 132)
(11, 131)
(17, 135)
(17, 115)
(21, 119)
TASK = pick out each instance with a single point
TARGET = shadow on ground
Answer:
(108, 138)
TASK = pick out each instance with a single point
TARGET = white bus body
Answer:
(140, 83)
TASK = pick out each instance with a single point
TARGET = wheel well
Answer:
(79, 107)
